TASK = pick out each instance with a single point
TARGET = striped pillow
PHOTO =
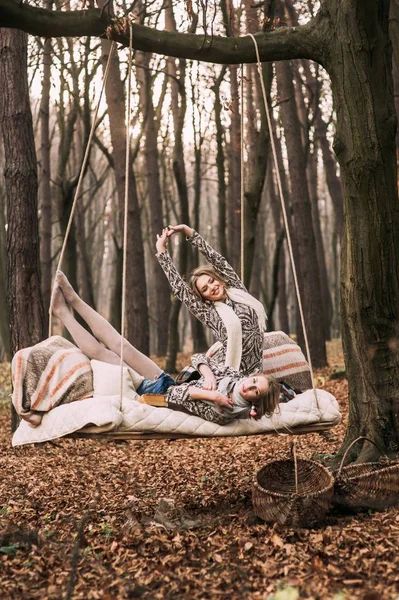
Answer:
(284, 360)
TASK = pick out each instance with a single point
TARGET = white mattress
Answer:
(106, 413)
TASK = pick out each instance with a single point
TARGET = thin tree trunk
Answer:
(162, 299)
(326, 305)
(45, 178)
(64, 185)
(233, 214)
(220, 164)
(178, 100)
(137, 326)
(281, 285)
(308, 275)
(4, 320)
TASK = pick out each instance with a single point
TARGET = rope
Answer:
(79, 184)
(242, 198)
(284, 212)
(126, 206)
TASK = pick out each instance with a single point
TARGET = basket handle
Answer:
(362, 437)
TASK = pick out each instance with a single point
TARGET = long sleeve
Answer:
(219, 370)
(182, 291)
(218, 261)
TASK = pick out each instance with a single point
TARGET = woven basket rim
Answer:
(354, 467)
(319, 492)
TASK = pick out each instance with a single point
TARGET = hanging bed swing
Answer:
(113, 413)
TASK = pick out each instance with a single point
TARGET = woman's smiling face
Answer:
(210, 288)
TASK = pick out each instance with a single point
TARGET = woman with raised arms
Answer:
(217, 297)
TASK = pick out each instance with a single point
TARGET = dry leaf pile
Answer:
(165, 519)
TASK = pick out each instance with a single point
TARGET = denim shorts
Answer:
(156, 386)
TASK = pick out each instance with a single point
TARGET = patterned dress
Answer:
(205, 311)
(178, 397)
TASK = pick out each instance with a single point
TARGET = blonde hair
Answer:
(210, 271)
(269, 401)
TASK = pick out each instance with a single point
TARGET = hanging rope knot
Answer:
(121, 26)
(117, 26)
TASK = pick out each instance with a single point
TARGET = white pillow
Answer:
(106, 380)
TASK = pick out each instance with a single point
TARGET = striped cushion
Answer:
(284, 360)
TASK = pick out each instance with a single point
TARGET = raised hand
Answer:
(181, 228)
(162, 240)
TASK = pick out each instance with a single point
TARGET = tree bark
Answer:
(179, 104)
(326, 304)
(279, 284)
(45, 178)
(5, 353)
(23, 269)
(197, 329)
(365, 148)
(220, 165)
(137, 328)
(162, 300)
(308, 274)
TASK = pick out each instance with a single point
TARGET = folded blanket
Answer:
(50, 373)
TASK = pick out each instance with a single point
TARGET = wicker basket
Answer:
(295, 493)
(367, 485)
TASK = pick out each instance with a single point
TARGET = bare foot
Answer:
(59, 306)
(68, 291)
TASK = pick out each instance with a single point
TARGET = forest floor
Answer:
(86, 519)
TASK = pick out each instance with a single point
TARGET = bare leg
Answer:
(83, 339)
(104, 332)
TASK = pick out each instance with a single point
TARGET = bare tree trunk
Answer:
(45, 178)
(23, 268)
(234, 182)
(84, 270)
(280, 276)
(308, 275)
(65, 185)
(370, 308)
(20, 174)
(137, 327)
(326, 305)
(5, 353)
(179, 103)
(162, 299)
(394, 35)
(220, 164)
(231, 19)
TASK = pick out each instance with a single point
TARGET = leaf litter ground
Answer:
(91, 519)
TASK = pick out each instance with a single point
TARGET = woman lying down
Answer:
(220, 395)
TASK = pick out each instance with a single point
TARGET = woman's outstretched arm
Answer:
(218, 261)
(179, 287)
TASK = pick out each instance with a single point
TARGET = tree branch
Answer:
(305, 41)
